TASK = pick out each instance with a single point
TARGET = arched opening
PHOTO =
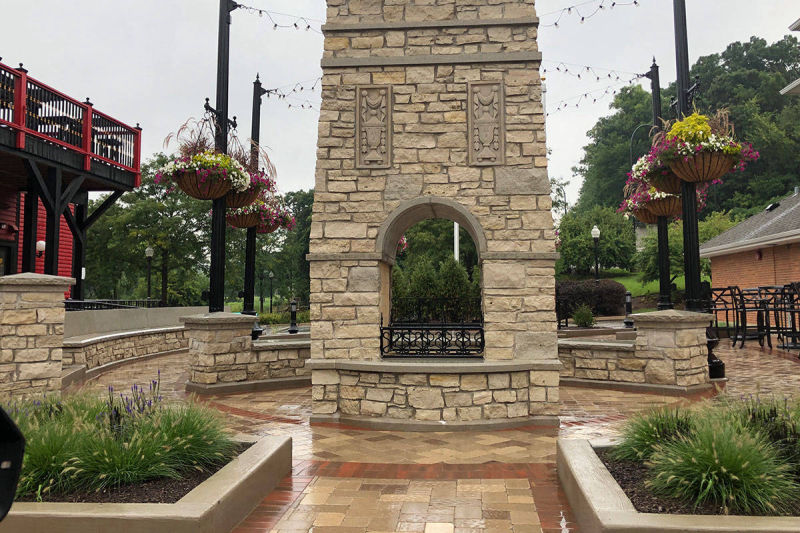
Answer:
(431, 292)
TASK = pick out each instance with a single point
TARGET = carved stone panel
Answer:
(487, 132)
(374, 126)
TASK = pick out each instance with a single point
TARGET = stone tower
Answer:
(431, 109)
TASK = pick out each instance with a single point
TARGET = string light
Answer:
(583, 72)
(591, 96)
(574, 10)
(298, 22)
(297, 87)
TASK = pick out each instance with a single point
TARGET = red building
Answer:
(54, 150)
(763, 250)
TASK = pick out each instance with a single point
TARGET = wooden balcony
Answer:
(42, 124)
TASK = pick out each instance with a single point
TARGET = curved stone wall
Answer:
(98, 350)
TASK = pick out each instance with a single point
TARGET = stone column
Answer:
(219, 347)
(31, 334)
(674, 345)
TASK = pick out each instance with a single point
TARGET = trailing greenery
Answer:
(87, 443)
(583, 317)
(740, 456)
(644, 432)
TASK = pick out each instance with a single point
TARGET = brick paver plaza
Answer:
(353, 480)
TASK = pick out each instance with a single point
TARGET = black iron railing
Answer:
(434, 327)
(102, 305)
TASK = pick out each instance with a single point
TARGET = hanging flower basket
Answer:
(645, 216)
(703, 166)
(202, 188)
(668, 206)
(244, 220)
(666, 182)
(235, 200)
(268, 227)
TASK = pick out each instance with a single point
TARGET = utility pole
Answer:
(691, 241)
(216, 300)
(665, 287)
(250, 247)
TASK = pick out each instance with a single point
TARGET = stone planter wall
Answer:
(31, 333)
(101, 350)
(669, 350)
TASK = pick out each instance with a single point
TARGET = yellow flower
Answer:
(692, 129)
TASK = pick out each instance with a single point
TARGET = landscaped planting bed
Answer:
(735, 457)
(127, 447)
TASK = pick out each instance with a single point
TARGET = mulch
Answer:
(631, 476)
(162, 490)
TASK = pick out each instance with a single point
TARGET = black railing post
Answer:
(293, 316)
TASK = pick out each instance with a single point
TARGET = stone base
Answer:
(440, 393)
(393, 424)
(249, 386)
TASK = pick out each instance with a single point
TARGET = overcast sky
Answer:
(154, 61)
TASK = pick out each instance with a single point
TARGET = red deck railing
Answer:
(30, 107)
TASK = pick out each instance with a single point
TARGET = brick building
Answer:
(760, 251)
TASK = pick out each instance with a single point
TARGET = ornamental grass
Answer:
(86, 443)
(736, 456)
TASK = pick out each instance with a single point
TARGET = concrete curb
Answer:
(434, 425)
(249, 386)
(649, 388)
(218, 504)
(601, 506)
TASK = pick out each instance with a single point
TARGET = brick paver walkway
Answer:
(351, 480)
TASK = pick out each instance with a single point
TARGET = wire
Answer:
(300, 22)
(583, 16)
(586, 71)
(594, 96)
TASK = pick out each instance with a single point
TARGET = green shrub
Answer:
(724, 463)
(776, 420)
(303, 317)
(606, 297)
(89, 443)
(583, 317)
(642, 433)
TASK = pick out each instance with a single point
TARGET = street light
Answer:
(148, 253)
(261, 290)
(293, 317)
(596, 237)
(271, 275)
(40, 248)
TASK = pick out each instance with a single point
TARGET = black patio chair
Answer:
(789, 318)
(723, 305)
(749, 302)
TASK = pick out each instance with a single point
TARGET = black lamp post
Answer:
(596, 238)
(271, 275)
(148, 253)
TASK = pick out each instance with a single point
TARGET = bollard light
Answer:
(628, 310)
(293, 311)
(41, 246)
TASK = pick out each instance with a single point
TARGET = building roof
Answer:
(792, 88)
(795, 25)
(777, 224)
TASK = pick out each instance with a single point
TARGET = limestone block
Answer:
(628, 376)
(469, 413)
(371, 408)
(425, 398)
(495, 410)
(350, 407)
(399, 412)
(482, 397)
(660, 372)
(325, 377)
(380, 395)
(517, 410)
(536, 345)
(352, 392)
(519, 379)
(323, 408)
(457, 399)
(427, 414)
(473, 382)
(499, 381)
(547, 378)
(413, 379)
(503, 275)
(591, 374)
(505, 396)
(363, 279)
(444, 380)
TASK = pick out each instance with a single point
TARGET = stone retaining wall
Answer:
(101, 350)
(670, 350)
(279, 359)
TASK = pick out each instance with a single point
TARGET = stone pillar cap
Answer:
(671, 316)
(219, 318)
(37, 280)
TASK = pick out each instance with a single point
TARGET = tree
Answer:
(710, 227)
(745, 79)
(615, 248)
(606, 159)
(286, 256)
